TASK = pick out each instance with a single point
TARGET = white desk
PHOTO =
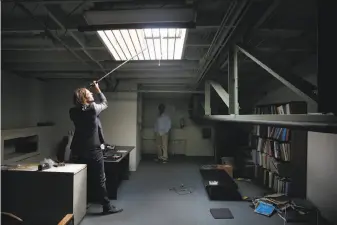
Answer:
(45, 197)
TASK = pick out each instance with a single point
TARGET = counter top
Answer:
(68, 168)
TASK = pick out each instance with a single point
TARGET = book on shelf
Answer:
(273, 109)
(273, 181)
(272, 148)
(276, 133)
(281, 108)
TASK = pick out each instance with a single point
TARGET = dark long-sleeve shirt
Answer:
(87, 137)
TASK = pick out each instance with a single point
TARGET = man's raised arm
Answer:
(103, 103)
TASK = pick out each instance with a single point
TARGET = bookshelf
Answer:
(279, 153)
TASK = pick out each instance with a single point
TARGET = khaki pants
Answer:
(162, 144)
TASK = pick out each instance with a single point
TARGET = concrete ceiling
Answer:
(281, 33)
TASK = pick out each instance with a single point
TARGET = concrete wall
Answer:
(322, 158)
(22, 107)
(21, 101)
(118, 121)
(187, 140)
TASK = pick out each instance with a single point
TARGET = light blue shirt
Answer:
(162, 125)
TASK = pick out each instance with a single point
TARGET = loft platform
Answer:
(311, 122)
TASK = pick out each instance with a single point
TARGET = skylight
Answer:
(160, 44)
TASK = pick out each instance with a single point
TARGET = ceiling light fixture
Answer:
(160, 43)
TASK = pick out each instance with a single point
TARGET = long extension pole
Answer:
(117, 67)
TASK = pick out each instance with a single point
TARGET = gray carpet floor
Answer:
(147, 200)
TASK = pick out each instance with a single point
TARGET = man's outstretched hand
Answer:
(96, 87)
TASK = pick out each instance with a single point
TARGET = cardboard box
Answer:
(227, 168)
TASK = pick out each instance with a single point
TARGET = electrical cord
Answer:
(182, 190)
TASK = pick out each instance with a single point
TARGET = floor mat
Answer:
(221, 213)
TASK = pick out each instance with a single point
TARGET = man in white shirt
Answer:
(161, 129)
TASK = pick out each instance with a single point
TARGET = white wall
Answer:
(21, 101)
(118, 121)
(321, 159)
(186, 141)
(321, 173)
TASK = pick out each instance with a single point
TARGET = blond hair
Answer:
(80, 96)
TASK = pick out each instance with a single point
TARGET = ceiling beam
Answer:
(93, 42)
(80, 1)
(50, 34)
(56, 13)
(21, 25)
(172, 65)
(118, 74)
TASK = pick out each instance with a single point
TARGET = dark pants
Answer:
(96, 175)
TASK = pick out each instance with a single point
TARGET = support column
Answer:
(327, 55)
(233, 83)
(208, 110)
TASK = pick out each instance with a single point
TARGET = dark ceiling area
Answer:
(40, 38)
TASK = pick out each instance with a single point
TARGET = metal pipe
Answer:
(221, 27)
(238, 16)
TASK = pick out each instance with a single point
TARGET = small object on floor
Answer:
(221, 213)
(182, 190)
(213, 182)
(208, 167)
(243, 179)
(264, 208)
(246, 198)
